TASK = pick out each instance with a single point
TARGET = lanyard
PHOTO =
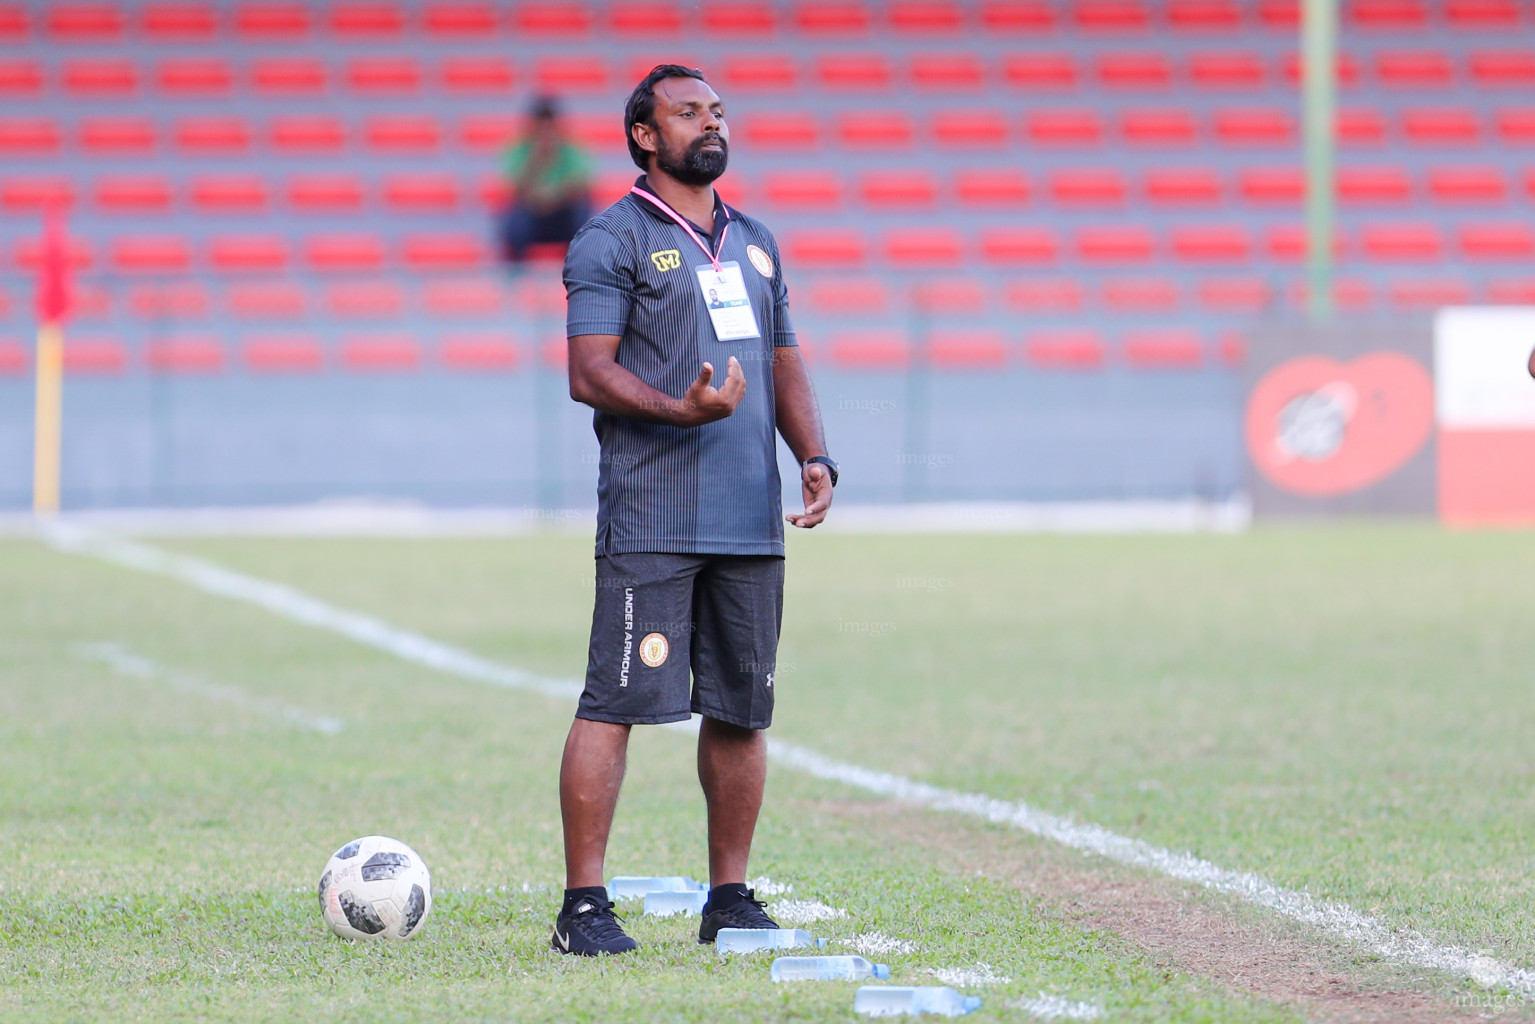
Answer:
(674, 215)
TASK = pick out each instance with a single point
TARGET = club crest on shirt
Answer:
(654, 649)
(667, 259)
(761, 260)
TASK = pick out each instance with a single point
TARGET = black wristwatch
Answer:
(826, 461)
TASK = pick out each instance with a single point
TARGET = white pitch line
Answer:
(1333, 918)
(127, 663)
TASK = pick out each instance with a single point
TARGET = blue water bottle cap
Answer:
(882, 971)
(972, 1003)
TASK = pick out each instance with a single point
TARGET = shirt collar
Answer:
(721, 216)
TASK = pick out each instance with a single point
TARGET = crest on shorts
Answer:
(761, 260)
(654, 649)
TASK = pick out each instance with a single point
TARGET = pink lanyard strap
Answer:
(674, 215)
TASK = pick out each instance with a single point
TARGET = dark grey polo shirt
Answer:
(712, 489)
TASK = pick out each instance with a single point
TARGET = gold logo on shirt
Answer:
(666, 259)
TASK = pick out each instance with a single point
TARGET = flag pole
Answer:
(52, 307)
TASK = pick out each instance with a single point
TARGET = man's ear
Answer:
(644, 136)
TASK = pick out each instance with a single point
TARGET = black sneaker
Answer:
(749, 913)
(589, 930)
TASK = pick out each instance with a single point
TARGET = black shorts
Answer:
(661, 618)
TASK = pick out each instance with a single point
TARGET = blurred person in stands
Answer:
(550, 182)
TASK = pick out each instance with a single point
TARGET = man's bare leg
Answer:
(591, 773)
(732, 766)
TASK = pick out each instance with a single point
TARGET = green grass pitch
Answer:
(1344, 710)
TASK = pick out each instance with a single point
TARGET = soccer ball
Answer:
(375, 888)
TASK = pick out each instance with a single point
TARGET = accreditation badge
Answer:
(730, 307)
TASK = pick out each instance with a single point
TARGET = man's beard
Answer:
(696, 166)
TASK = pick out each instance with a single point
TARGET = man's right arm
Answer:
(597, 380)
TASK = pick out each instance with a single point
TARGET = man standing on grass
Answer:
(689, 536)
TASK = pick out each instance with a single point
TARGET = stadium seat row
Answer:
(873, 71)
(972, 189)
(287, 20)
(970, 128)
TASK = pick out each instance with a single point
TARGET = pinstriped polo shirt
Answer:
(712, 489)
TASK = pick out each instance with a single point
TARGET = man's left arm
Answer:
(799, 421)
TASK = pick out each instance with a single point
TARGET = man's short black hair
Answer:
(641, 108)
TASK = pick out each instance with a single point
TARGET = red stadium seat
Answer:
(1044, 295)
(327, 193)
(869, 350)
(1517, 125)
(1513, 68)
(1091, 186)
(1254, 126)
(991, 187)
(1010, 246)
(1222, 243)
(949, 295)
(1146, 69)
(946, 71)
(489, 131)
(307, 134)
(464, 296)
(1119, 243)
(1017, 16)
(460, 19)
(185, 355)
(924, 247)
(113, 135)
(1402, 241)
(422, 193)
(13, 22)
(1388, 15)
(288, 76)
(826, 247)
(266, 300)
(478, 353)
(15, 359)
(1167, 126)
(1064, 127)
(28, 137)
(1233, 69)
(182, 300)
(1110, 15)
(174, 21)
(925, 17)
(78, 253)
(832, 17)
(1272, 184)
(1163, 349)
(1414, 69)
(403, 133)
(1361, 126)
(819, 189)
(229, 194)
(1073, 349)
(195, 76)
(1348, 69)
(443, 251)
(1468, 184)
(369, 299)
(1234, 294)
(100, 78)
(568, 18)
(247, 254)
(213, 136)
(747, 18)
(875, 129)
(975, 349)
(344, 252)
(898, 189)
(1519, 291)
(1374, 185)
(1204, 15)
(854, 71)
(384, 75)
(138, 194)
(33, 195)
(1482, 14)
(84, 22)
(570, 74)
(94, 355)
(477, 75)
(1440, 125)
(1429, 293)
(366, 19)
(1182, 186)
(272, 20)
(1503, 240)
(642, 17)
(151, 254)
(780, 131)
(846, 295)
(969, 129)
(20, 78)
(769, 72)
(282, 354)
(1039, 70)
(1289, 242)
(1140, 295)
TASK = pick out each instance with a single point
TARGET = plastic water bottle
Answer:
(827, 968)
(896, 1000)
(633, 887)
(755, 940)
(665, 904)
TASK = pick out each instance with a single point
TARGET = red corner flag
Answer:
(53, 271)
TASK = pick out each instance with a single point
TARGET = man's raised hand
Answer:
(704, 403)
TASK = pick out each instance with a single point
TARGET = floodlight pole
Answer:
(1319, 118)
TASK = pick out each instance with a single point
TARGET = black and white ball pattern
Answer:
(375, 888)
